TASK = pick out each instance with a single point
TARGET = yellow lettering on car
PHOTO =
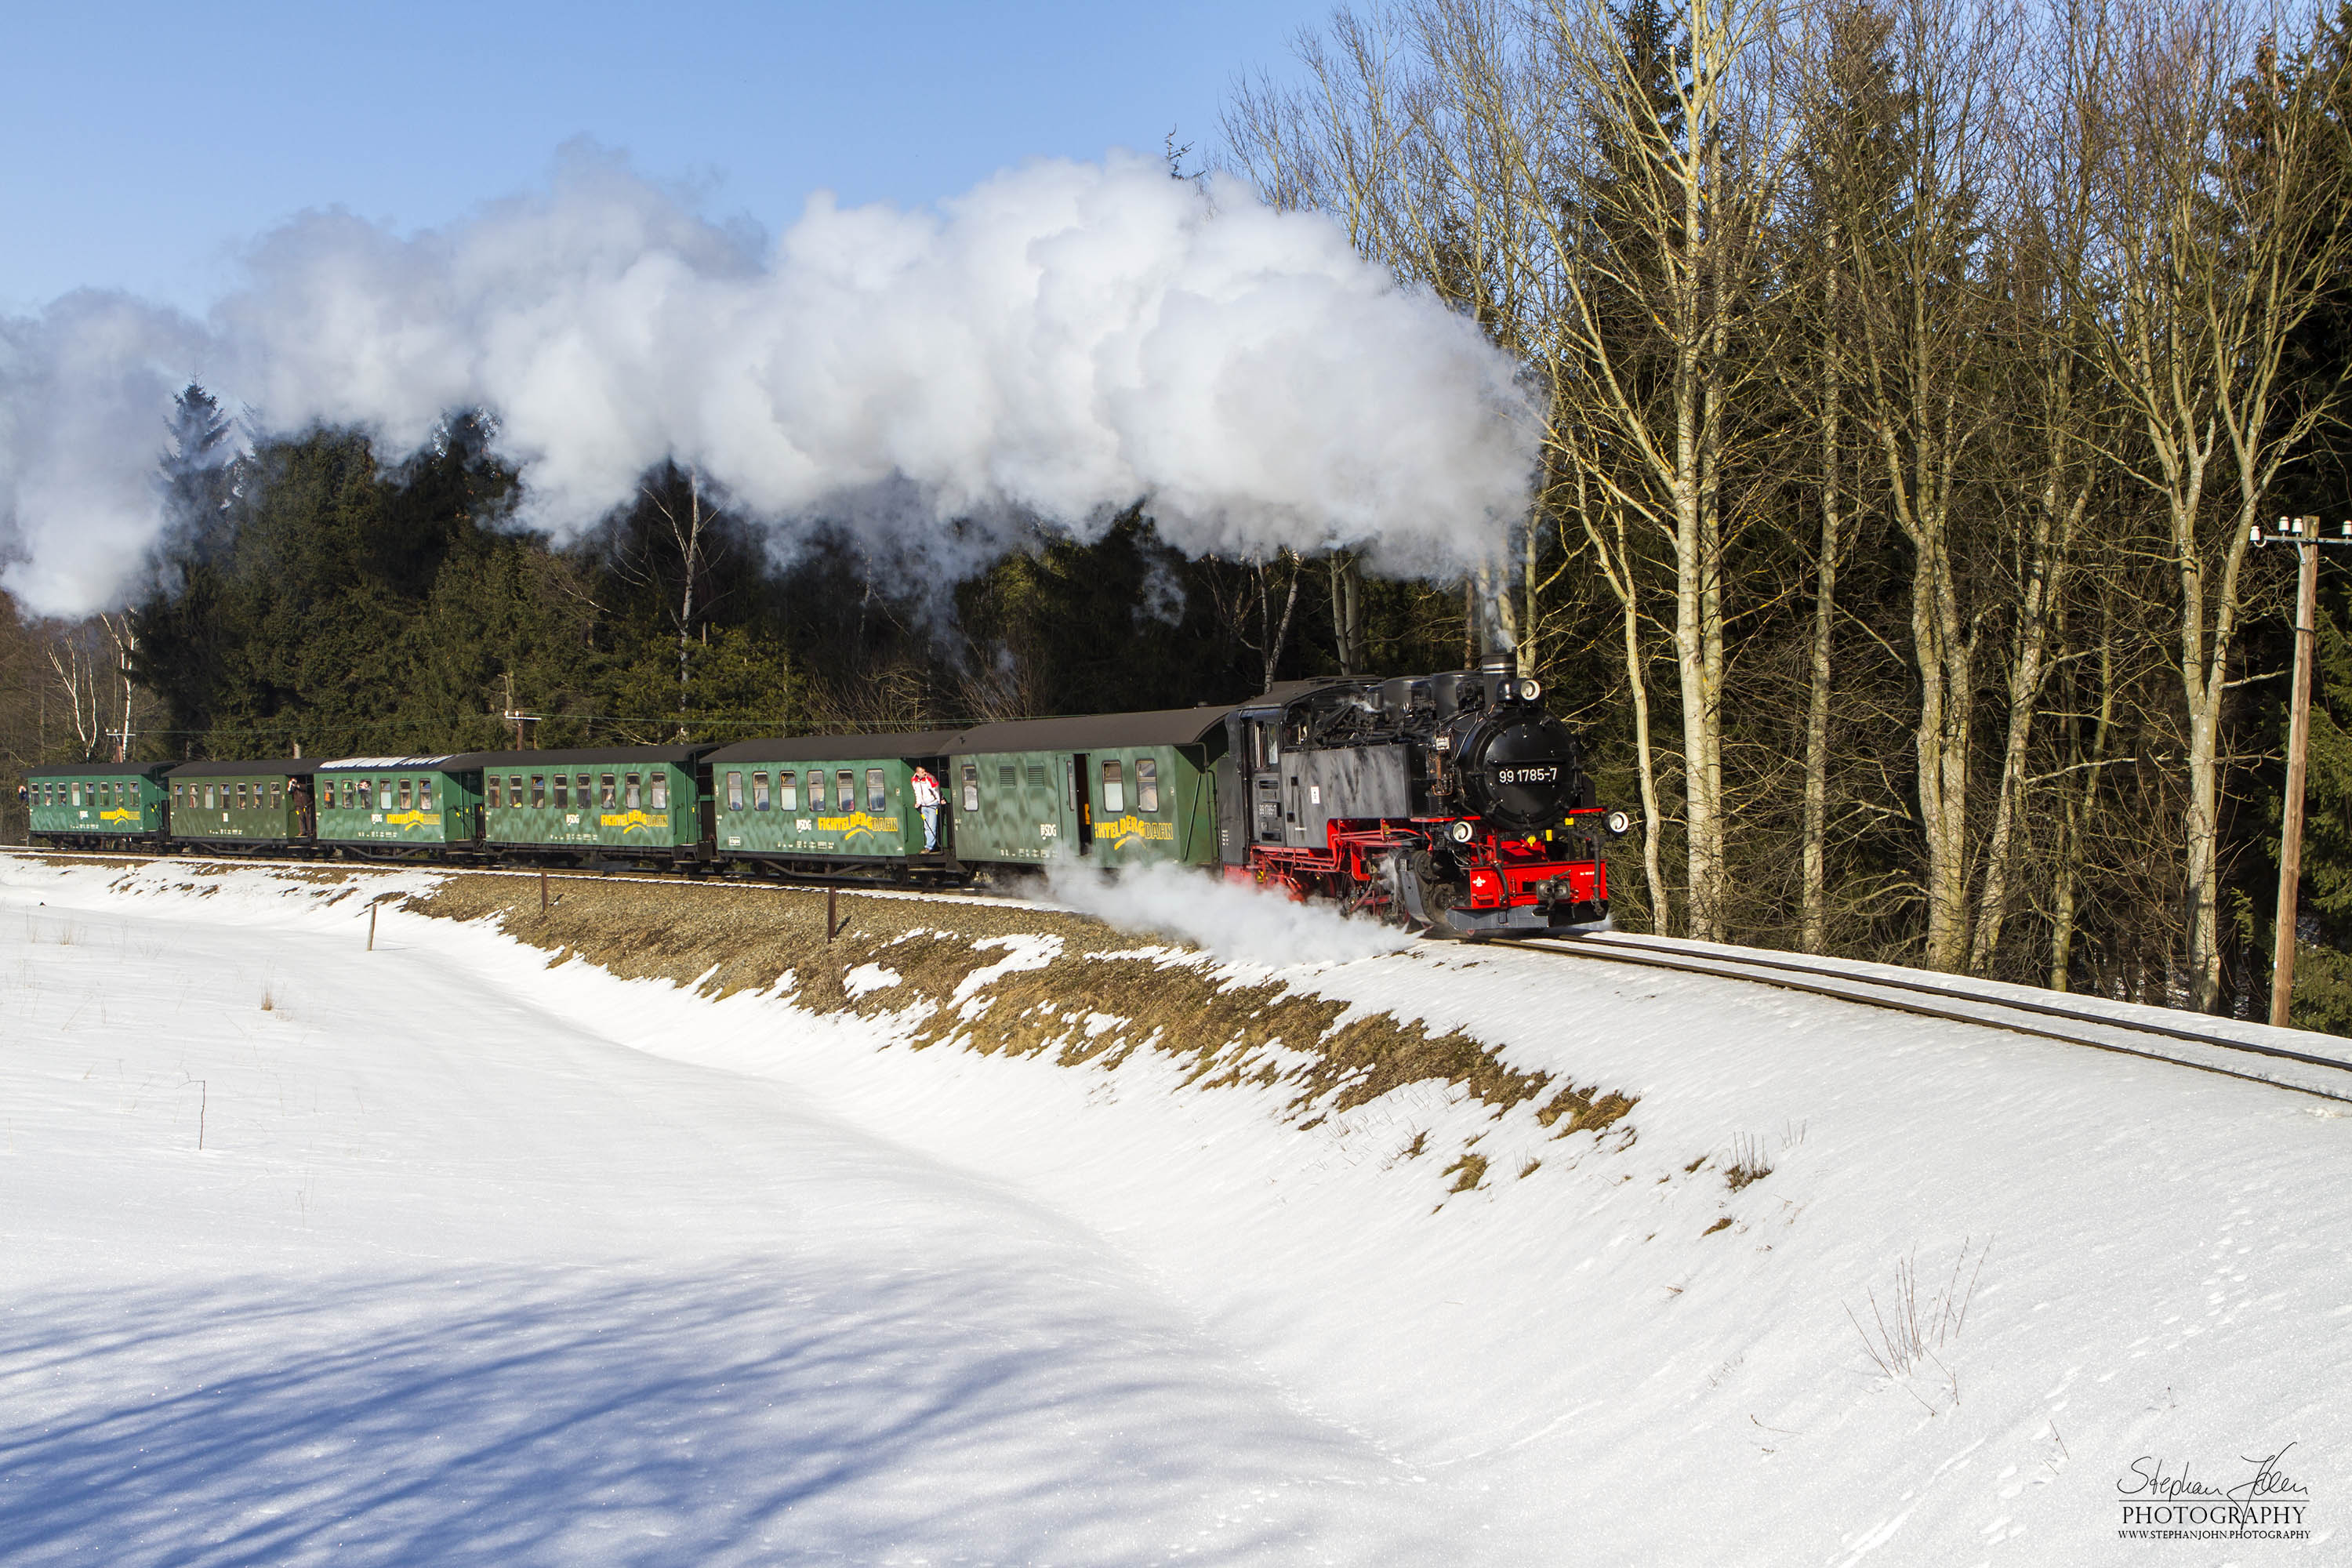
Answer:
(856, 823)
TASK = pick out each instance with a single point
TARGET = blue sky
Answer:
(145, 144)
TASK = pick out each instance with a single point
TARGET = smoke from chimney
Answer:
(1062, 340)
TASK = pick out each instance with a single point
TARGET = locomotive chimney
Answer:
(1492, 632)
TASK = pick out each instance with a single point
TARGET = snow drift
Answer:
(1060, 341)
(489, 1258)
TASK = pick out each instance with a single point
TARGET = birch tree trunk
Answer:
(2217, 244)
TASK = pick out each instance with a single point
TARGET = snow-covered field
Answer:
(483, 1261)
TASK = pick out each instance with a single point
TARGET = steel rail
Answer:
(1954, 993)
(1841, 986)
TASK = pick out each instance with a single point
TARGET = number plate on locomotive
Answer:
(1549, 774)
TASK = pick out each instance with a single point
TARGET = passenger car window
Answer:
(734, 790)
(759, 792)
(563, 792)
(816, 789)
(970, 787)
(1147, 785)
(878, 790)
(538, 789)
(1114, 789)
(424, 794)
(629, 784)
(608, 797)
(276, 795)
(494, 790)
(789, 787)
(657, 792)
(845, 789)
(1036, 775)
(407, 787)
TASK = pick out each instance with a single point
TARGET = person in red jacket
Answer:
(927, 801)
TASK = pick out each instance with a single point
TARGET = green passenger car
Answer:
(825, 797)
(596, 803)
(244, 806)
(400, 805)
(87, 805)
(1123, 789)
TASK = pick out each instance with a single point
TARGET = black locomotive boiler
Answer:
(1452, 802)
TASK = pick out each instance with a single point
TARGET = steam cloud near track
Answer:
(1235, 920)
(1060, 341)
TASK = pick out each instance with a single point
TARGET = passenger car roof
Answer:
(291, 767)
(835, 748)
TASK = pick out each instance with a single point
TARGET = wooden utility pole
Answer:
(2302, 532)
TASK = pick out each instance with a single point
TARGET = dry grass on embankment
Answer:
(726, 939)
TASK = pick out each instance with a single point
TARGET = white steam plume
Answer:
(1238, 921)
(1060, 341)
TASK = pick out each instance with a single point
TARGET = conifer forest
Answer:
(1912, 375)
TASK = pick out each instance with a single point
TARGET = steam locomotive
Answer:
(1452, 804)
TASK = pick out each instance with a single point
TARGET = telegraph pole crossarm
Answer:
(2302, 532)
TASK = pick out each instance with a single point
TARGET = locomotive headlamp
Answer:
(1462, 831)
(1529, 690)
(1618, 824)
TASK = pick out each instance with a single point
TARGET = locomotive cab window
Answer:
(788, 785)
(734, 790)
(1147, 785)
(1114, 789)
(970, 787)
(878, 790)
(759, 792)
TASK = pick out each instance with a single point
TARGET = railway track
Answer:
(851, 882)
(2073, 1021)
(2076, 1021)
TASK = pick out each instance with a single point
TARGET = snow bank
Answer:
(1088, 1313)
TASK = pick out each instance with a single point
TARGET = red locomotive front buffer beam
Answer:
(1503, 873)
